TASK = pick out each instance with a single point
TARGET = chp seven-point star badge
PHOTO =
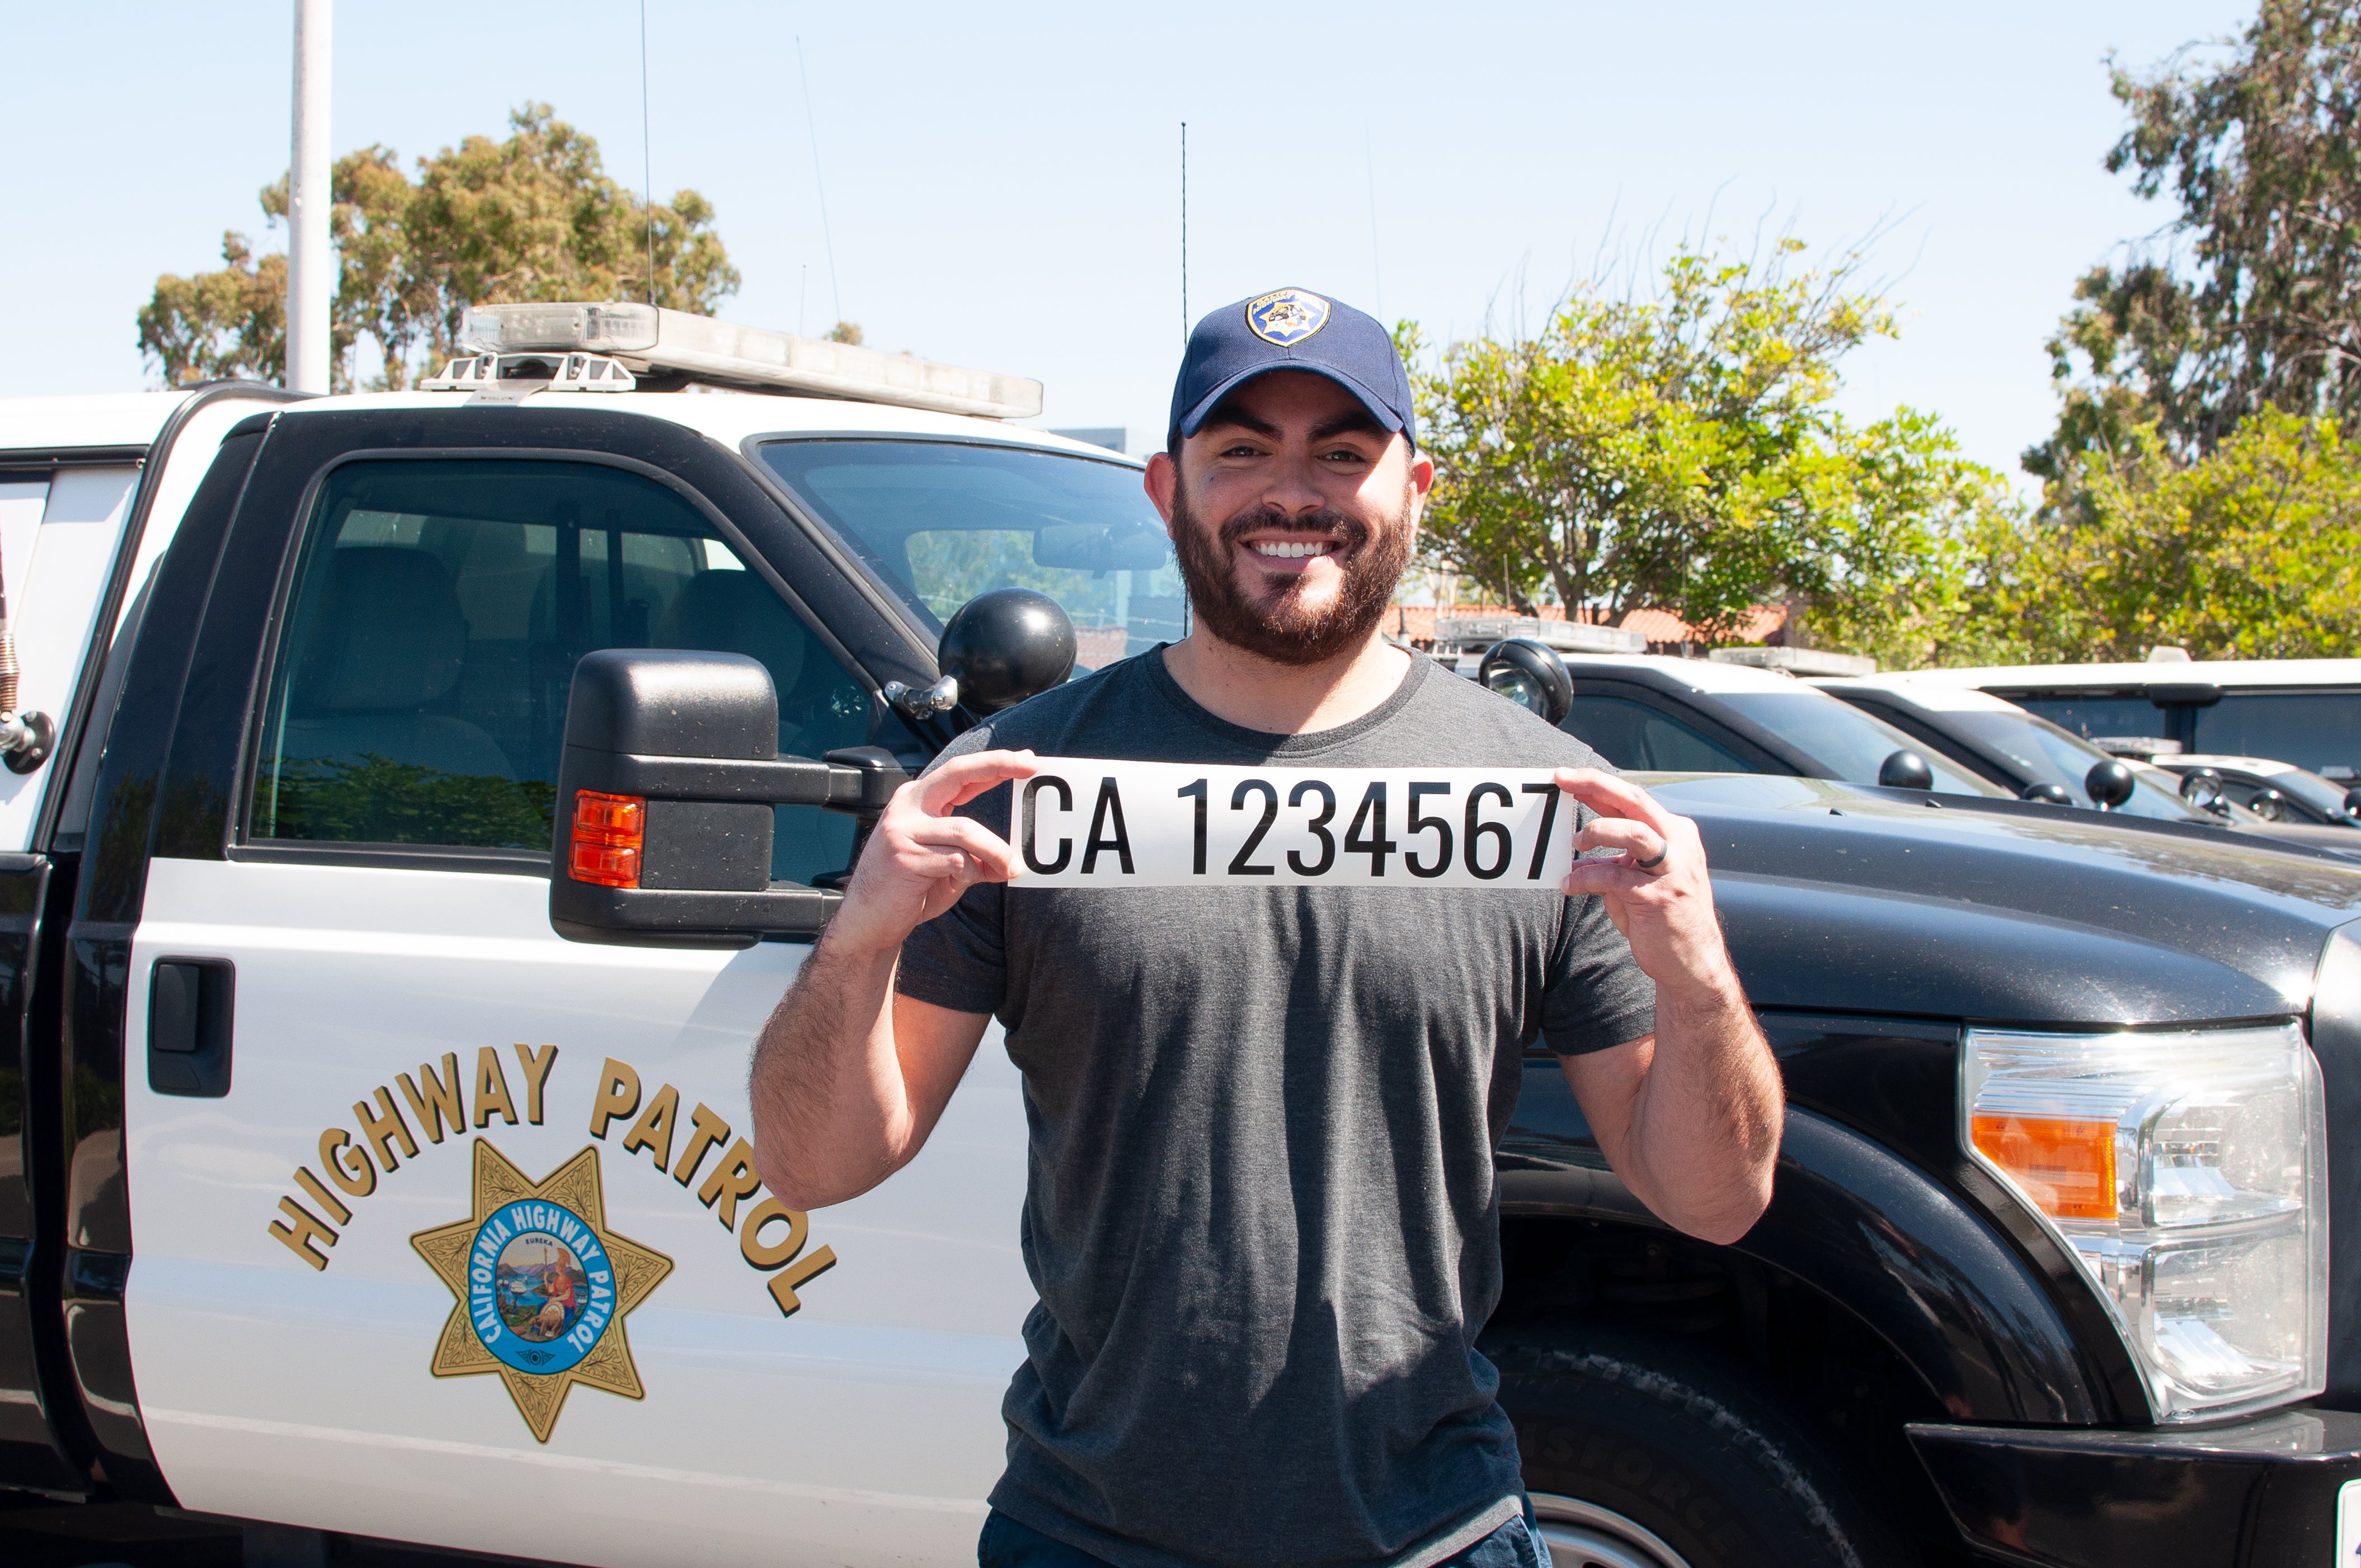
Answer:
(542, 1286)
(1287, 317)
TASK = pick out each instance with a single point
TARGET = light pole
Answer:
(311, 266)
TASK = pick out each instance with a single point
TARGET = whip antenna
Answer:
(647, 154)
(812, 128)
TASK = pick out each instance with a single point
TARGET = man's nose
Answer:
(1295, 486)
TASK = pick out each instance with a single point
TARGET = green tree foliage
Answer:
(2199, 489)
(1682, 450)
(532, 217)
(2246, 553)
(218, 326)
(2251, 296)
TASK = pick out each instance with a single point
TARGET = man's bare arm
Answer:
(1690, 1115)
(849, 1076)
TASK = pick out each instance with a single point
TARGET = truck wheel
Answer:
(1640, 1454)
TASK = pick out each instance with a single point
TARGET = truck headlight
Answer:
(2187, 1173)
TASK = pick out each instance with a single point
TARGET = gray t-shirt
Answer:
(1260, 1211)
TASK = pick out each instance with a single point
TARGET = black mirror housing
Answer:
(1006, 645)
(2110, 783)
(1906, 768)
(665, 797)
(1528, 674)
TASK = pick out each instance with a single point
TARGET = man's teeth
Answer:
(1289, 551)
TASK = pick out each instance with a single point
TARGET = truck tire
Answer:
(1641, 1454)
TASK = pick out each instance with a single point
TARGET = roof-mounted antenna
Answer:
(812, 127)
(647, 154)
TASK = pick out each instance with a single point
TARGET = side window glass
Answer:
(419, 693)
(1635, 737)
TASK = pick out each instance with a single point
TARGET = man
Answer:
(1261, 1213)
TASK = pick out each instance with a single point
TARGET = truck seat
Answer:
(386, 641)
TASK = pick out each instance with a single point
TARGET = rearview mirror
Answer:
(665, 792)
(1100, 547)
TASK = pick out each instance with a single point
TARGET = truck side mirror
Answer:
(2110, 783)
(1529, 675)
(1906, 768)
(2203, 789)
(2352, 802)
(1006, 645)
(665, 792)
(2043, 792)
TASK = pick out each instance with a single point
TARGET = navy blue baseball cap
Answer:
(1291, 329)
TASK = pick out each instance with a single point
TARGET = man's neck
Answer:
(1285, 699)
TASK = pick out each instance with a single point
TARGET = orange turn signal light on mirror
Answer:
(2067, 1167)
(609, 832)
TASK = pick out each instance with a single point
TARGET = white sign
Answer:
(2348, 1522)
(1079, 823)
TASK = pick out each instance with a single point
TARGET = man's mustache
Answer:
(1348, 529)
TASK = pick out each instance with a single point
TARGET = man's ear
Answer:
(1421, 473)
(1161, 482)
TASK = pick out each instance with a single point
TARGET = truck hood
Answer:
(1844, 898)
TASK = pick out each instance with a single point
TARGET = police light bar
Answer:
(643, 338)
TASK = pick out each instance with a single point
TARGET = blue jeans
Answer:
(1006, 1543)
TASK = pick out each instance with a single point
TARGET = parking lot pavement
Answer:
(37, 1532)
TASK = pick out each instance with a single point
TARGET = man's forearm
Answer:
(1706, 1120)
(827, 1086)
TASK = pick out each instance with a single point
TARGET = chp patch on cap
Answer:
(1291, 329)
(1287, 317)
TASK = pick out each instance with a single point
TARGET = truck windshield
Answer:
(941, 522)
(1851, 744)
(2045, 751)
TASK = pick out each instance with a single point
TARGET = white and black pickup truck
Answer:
(343, 1194)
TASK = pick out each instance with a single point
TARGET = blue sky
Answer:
(1002, 182)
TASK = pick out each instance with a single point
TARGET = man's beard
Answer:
(1279, 626)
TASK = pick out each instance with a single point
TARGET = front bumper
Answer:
(2255, 1494)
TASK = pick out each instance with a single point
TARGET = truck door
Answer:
(60, 524)
(446, 1229)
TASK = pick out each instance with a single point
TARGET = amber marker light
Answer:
(2067, 1167)
(610, 830)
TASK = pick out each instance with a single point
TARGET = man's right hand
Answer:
(921, 857)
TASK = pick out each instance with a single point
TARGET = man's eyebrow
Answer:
(1225, 414)
(1360, 420)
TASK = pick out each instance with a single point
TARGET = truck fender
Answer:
(1908, 1258)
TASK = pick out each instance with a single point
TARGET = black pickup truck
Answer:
(342, 1196)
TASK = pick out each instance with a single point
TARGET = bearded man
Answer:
(1261, 1213)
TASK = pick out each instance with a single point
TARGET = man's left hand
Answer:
(1656, 890)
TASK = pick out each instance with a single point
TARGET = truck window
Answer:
(1633, 736)
(942, 521)
(419, 692)
(2320, 731)
(2095, 713)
